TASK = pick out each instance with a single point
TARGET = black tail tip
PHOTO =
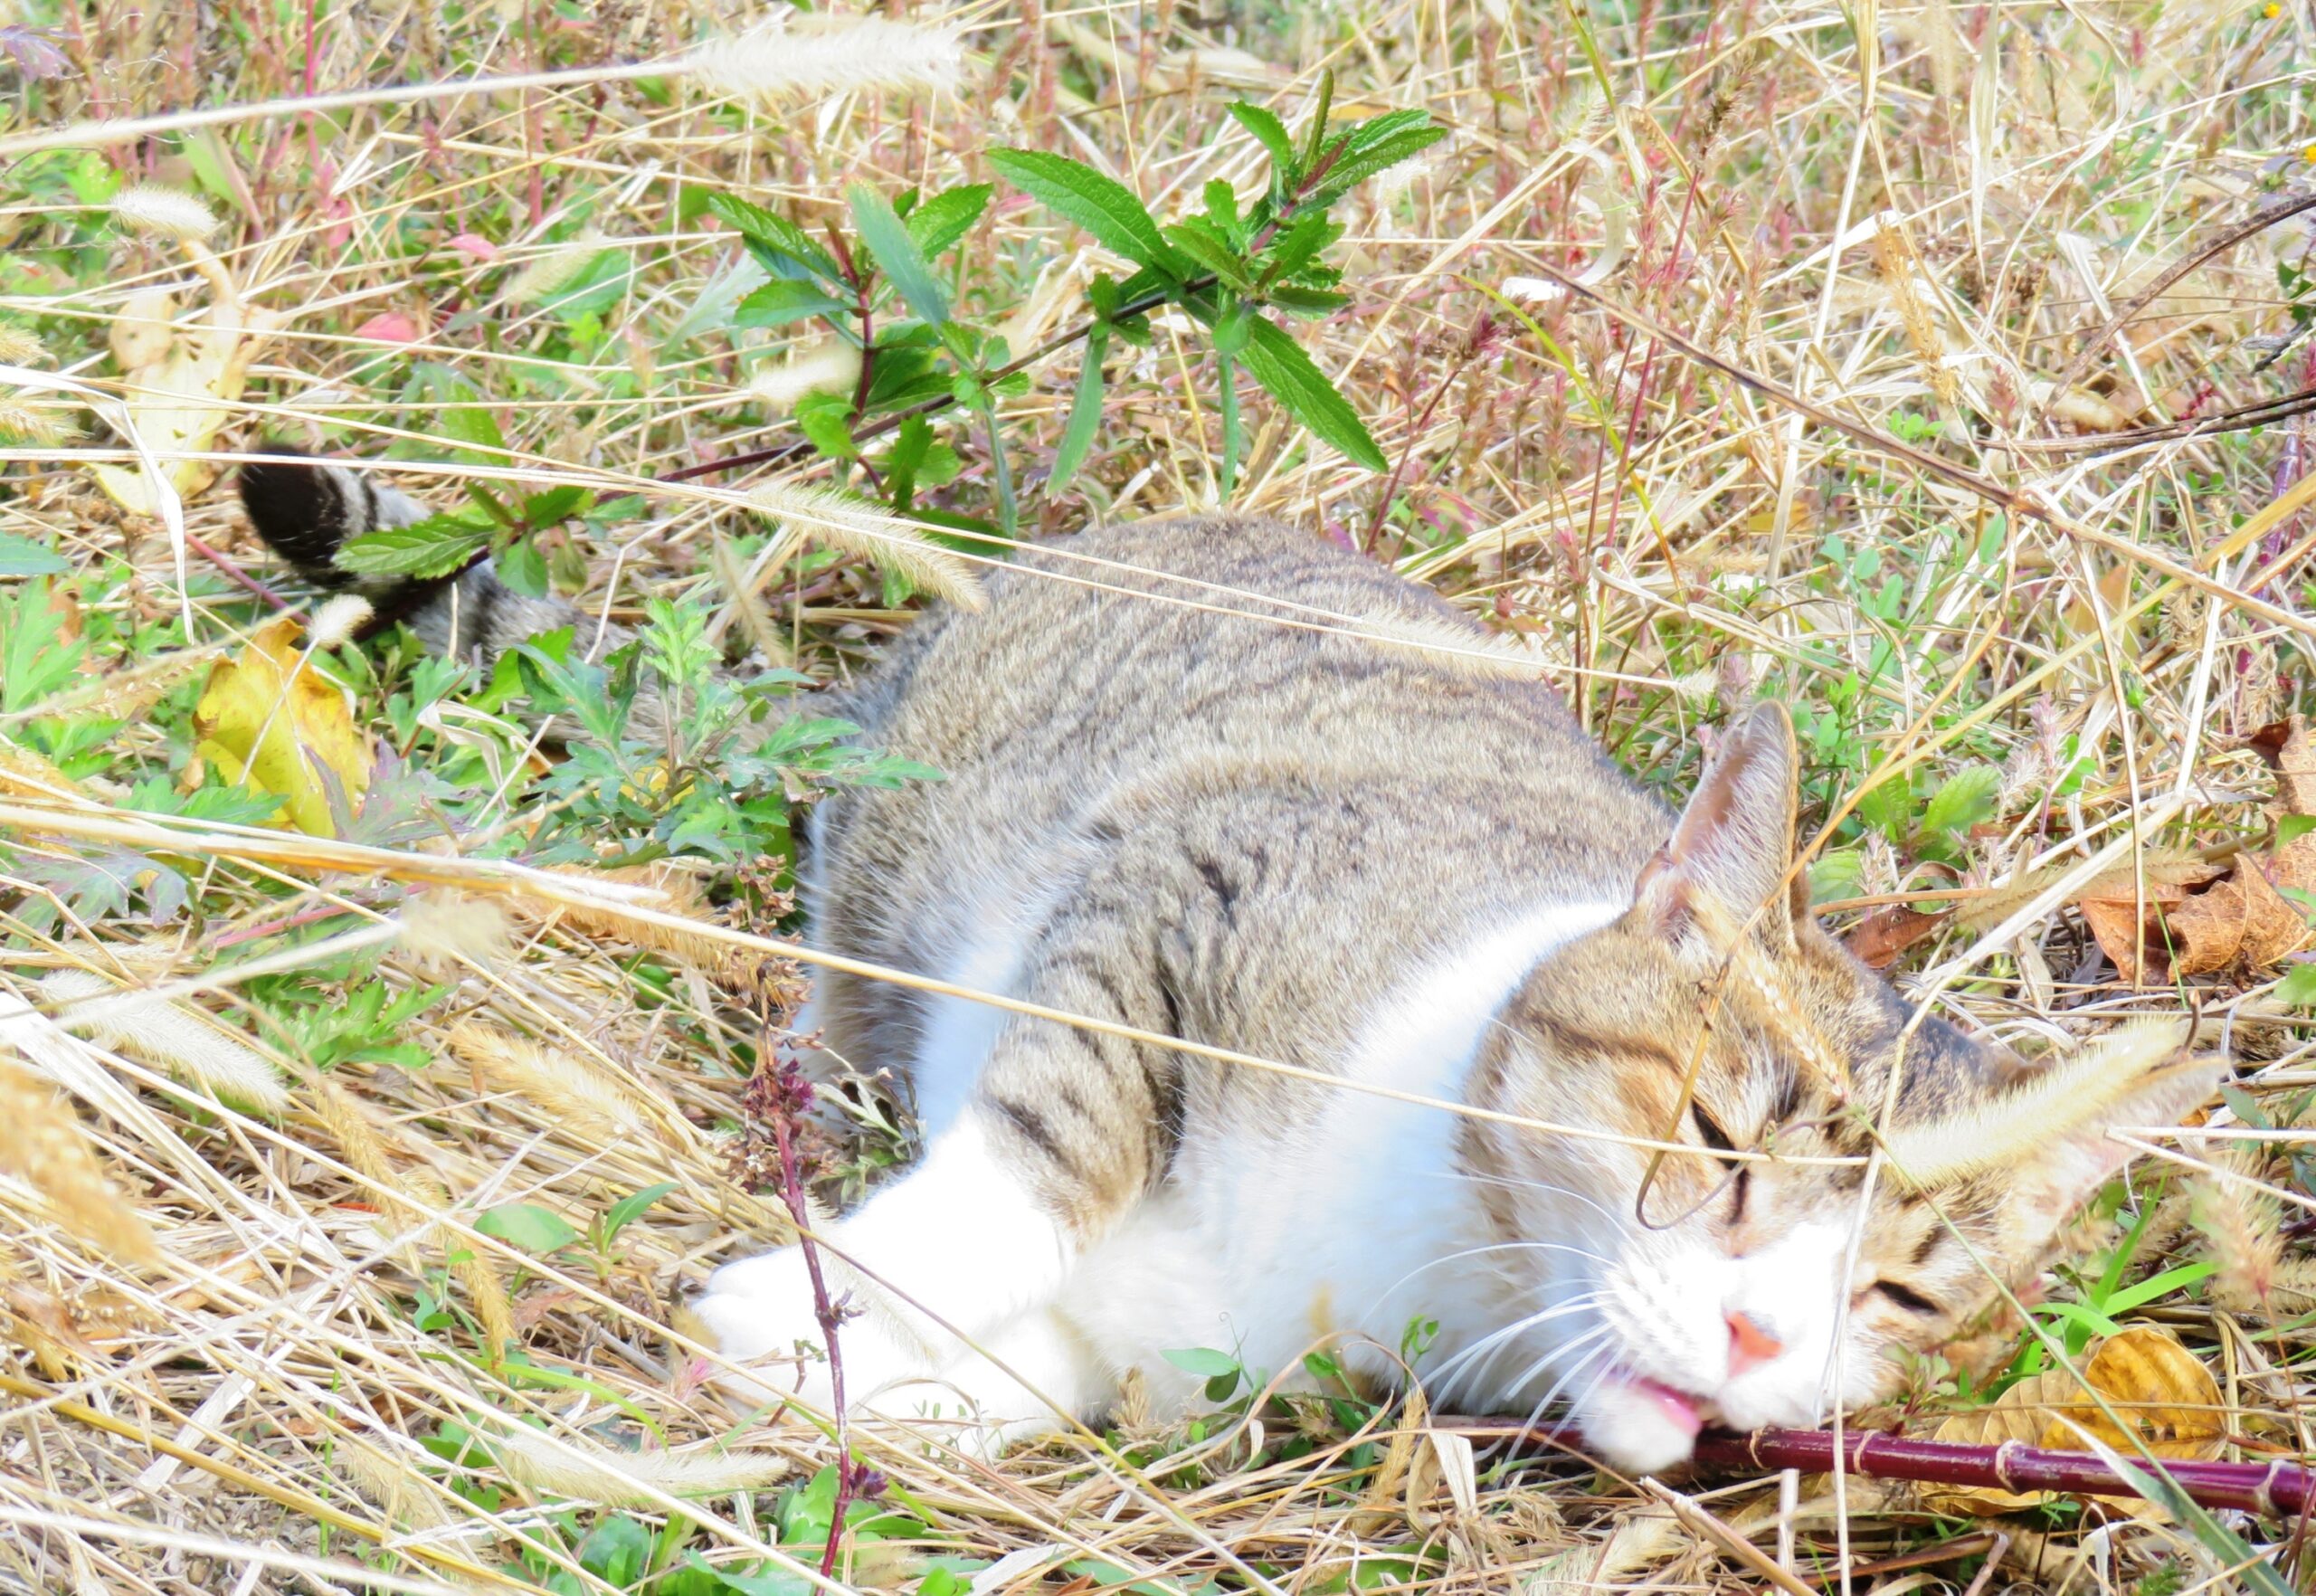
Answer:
(299, 506)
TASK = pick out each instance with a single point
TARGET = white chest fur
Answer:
(1356, 1221)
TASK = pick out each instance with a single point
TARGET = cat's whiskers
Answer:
(1522, 1183)
(1543, 1361)
(1496, 1247)
(1495, 1340)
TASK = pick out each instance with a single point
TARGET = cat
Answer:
(1401, 875)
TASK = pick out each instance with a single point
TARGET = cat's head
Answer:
(1715, 1014)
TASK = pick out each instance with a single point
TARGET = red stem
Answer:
(2276, 1489)
(240, 577)
(824, 1309)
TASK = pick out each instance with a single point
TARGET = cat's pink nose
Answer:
(1749, 1343)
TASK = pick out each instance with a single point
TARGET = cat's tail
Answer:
(307, 508)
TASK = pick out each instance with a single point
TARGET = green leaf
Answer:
(21, 556)
(1232, 328)
(456, 406)
(627, 1209)
(1085, 414)
(1102, 205)
(521, 567)
(616, 1551)
(1308, 303)
(2176, 1279)
(1299, 244)
(1234, 436)
(1222, 205)
(36, 659)
(558, 503)
(1203, 243)
(526, 1225)
(776, 234)
(435, 546)
(826, 421)
(2298, 987)
(1204, 1362)
(887, 238)
(1353, 168)
(1272, 135)
(1288, 375)
(1314, 137)
(1888, 808)
(1966, 799)
(784, 300)
(2292, 828)
(941, 220)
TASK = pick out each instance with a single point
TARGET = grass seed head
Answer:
(177, 1037)
(170, 213)
(42, 1144)
(791, 57)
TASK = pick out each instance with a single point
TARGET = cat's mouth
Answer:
(1682, 1409)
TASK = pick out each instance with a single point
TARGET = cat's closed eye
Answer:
(1710, 1132)
(1907, 1297)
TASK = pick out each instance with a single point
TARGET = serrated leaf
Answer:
(526, 1225)
(1271, 133)
(457, 407)
(887, 238)
(39, 649)
(1965, 799)
(272, 721)
(1278, 363)
(2298, 987)
(558, 503)
(776, 234)
(435, 546)
(21, 556)
(1350, 169)
(826, 421)
(1295, 248)
(1203, 243)
(784, 300)
(1102, 205)
(1222, 205)
(941, 220)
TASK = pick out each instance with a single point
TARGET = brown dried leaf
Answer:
(2022, 1415)
(1879, 939)
(2192, 918)
(2154, 1385)
(2241, 918)
(2129, 926)
(2290, 748)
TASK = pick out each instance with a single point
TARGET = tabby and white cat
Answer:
(1392, 872)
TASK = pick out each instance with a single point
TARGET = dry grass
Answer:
(1915, 231)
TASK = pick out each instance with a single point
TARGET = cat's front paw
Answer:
(761, 1313)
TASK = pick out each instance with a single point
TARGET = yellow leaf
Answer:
(2154, 1385)
(271, 721)
(2021, 1415)
(176, 407)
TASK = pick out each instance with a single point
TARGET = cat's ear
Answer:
(1734, 841)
